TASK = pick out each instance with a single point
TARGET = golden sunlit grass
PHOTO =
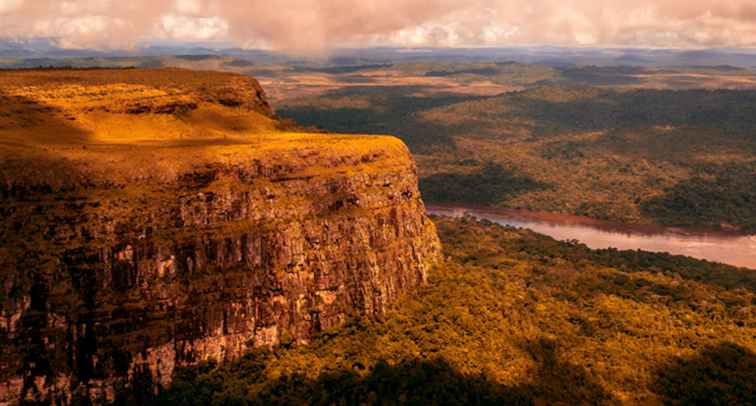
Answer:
(122, 125)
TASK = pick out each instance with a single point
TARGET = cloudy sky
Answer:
(318, 25)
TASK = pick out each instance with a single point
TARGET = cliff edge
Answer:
(157, 218)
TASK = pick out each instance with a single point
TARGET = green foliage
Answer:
(723, 194)
(724, 375)
(388, 111)
(489, 185)
(671, 157)
(514, 317)
(725, 109)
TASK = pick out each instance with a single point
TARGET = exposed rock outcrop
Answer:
(122, 259)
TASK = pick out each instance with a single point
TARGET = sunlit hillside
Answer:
(514, 317)
(126, 124)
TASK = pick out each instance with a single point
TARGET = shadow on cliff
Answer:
(492, 184)
(724, 374)
(418, 382)
(28, 229)
(35, 123)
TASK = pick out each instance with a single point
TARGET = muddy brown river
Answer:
(729, 248)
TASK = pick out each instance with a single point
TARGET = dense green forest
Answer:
(370, 110)
(514, 317)
(648, 156)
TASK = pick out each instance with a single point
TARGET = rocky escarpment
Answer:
(121, 261)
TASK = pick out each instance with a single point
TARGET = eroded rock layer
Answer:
(121, 261)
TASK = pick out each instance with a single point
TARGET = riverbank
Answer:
(725, 247)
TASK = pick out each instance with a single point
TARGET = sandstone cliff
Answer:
(153, 219)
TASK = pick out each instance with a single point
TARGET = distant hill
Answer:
(549, 55)
(612, 143)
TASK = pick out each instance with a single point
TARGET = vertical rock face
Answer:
(119, 263)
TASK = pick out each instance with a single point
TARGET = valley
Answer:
(628, 145)
(717, 246)
(173, 235)
(377, 203)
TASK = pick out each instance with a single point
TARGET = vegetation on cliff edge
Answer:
(516, 317)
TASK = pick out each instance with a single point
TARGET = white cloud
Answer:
(188, 7)
(7, 6)
(314, 25)
(493, 34)
(193, 28)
